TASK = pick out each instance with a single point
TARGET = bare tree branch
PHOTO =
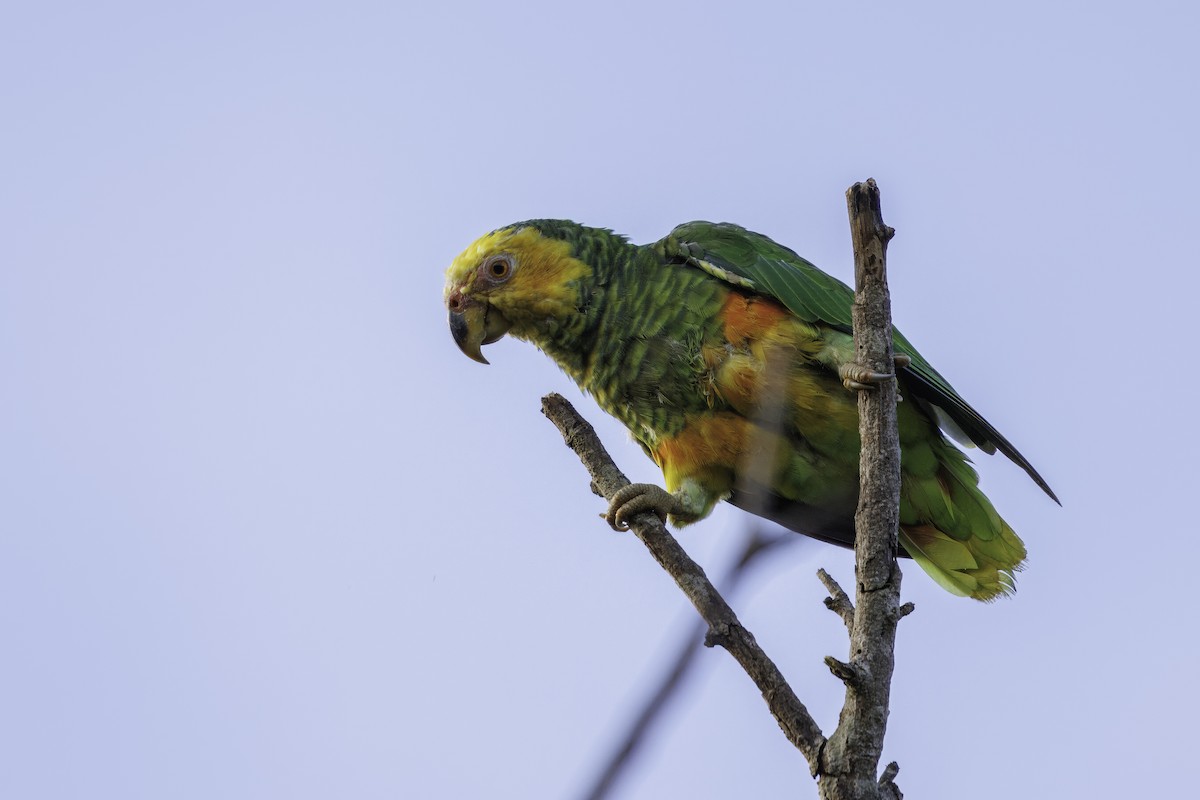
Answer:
(851, 756)
(723, 625)
(837, 601)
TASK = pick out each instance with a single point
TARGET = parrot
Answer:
(730, 359)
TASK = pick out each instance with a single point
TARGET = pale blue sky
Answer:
(264, 532)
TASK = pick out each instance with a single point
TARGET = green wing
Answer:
(758, 264)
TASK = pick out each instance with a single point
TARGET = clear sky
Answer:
(264, 532)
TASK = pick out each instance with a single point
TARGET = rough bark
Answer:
(851, 756)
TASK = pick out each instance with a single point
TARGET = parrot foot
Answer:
(631, 500)
(856, 377)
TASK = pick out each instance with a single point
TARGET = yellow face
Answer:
(510, 279)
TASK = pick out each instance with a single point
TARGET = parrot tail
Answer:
(957, 566)
(957, 536)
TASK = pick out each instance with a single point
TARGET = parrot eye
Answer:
(498, 268)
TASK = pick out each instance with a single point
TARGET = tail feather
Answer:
(945, 560)
(960, 568)
(963, 483)
(953, 532)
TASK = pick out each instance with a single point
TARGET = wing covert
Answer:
(754, 262)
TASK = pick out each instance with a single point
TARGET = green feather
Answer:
(752, 261)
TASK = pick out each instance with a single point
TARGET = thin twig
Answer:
(888, 790)
(850, 674)
(837, 602)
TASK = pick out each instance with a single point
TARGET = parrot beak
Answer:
(474, 324)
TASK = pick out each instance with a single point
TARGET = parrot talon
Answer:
(856, 377)
(631, 500)
(619, 527)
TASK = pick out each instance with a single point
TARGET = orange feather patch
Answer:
(708, 443)
(749, 317)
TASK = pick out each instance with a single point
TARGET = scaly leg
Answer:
(689, 504)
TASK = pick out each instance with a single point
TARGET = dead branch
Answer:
(851, 757)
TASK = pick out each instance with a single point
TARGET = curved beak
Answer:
(474, 324)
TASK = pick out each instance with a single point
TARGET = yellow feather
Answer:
(543, 284)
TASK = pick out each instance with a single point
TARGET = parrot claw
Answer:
(856, 377)
(631, 500)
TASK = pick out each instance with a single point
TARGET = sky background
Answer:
(265, 532)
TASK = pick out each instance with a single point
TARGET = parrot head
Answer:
(518, 280)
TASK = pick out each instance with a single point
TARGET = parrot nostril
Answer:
(455, 303)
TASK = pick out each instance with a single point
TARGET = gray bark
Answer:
(851, 756)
